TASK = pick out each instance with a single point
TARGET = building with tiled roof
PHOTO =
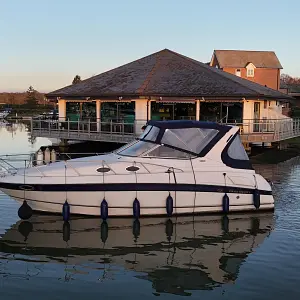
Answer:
(164, 86)
(262, 67)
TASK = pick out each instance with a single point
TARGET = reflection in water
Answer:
(16, 138)
(177, 255)
(278, 172)
(180, 256)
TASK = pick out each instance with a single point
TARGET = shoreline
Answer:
(275, 155)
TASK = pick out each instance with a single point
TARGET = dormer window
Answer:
(250, 70)
(238, 72)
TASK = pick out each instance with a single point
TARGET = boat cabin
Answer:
(189, 140)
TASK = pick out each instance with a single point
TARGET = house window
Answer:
(265, 104)
(238, 72)
(250, 70)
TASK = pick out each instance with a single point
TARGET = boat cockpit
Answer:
(187, 140)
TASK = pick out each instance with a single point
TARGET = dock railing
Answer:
(268, 130)
(113, 130)
(122, 131)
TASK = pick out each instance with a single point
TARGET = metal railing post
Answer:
(31, 125)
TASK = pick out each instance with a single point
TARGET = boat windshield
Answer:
(175, 143)
(149, 149)
(189, 139)
(150, 133)
(137, 149)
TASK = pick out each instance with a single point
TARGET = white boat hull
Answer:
(152, 203)
(196, 185)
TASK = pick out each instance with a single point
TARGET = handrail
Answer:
(72, 166)
(5, 162)
(124, 131)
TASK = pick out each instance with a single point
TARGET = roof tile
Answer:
(240, 58)
(166, 73)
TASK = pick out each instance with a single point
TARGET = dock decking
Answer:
(252, 131)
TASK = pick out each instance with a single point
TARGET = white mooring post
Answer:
(47, 157)
(53, 156)
(39, 157)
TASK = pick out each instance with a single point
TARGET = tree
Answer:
(76, 79)
(11, 99)
(31, 98)
(287, 79)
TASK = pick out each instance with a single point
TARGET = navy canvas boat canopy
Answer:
(179, 139)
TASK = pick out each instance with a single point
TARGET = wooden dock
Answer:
(261, 131)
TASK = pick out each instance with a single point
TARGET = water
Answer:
(254, 256)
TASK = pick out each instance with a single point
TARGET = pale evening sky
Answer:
(45, 43)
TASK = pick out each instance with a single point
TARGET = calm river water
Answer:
(253, 256)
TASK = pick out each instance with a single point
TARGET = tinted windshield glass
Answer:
(189, 139)
(137, 149)
(146, 131)
(167, 152)
(150, 133)
(125, 146)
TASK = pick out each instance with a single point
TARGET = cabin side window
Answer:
(236, 150)
(235, 156)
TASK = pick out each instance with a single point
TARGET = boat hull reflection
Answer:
(176, 254)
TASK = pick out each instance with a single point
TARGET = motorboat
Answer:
(174, 167)
(3, 114)
(177, 255)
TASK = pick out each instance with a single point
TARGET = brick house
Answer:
(262, 67)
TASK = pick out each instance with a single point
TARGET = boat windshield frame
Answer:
(154, 135)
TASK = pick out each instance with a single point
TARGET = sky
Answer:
(45, 43)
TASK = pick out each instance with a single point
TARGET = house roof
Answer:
(166, 74)
(240, 58)
(293, 88)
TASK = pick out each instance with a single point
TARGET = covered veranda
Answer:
(165, 85)
(131, 115)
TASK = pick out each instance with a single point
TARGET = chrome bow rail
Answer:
(19, 163)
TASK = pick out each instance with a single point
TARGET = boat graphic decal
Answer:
(142, 187)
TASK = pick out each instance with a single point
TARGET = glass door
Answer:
(256, 116)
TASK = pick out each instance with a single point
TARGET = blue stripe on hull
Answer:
(120, 187)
